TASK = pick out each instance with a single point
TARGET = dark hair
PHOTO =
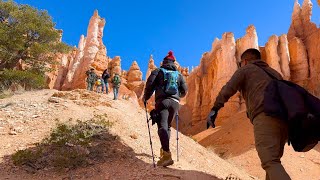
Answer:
(251, 54)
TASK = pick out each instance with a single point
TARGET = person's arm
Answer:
(228, 90)
(150, 85)
(182, 86)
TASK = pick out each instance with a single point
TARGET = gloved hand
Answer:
(212, 117)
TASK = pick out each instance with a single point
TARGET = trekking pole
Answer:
(177, 120)
(145, 106)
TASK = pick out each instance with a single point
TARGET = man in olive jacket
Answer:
(270, 133)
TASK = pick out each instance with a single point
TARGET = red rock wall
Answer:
(305, 34)
(296, 56)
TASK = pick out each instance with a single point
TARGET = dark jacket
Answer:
(299, 108)
(105, 75)
(155, 82)
(251, 81)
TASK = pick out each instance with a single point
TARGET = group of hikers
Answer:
(254, 79)
(101, 83)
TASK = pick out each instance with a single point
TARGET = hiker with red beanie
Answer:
(169, 86)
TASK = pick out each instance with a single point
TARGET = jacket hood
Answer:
(259, 63)
(168, 64)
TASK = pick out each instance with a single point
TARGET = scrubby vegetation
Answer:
(26, 79)
(70, 145)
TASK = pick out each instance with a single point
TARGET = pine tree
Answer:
(29, 35)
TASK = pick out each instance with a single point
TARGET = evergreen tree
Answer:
(27, 34)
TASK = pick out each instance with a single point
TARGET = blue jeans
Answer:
(115, 92)
(99, 88)
(102, 86)
(90, 86)
(105, 85)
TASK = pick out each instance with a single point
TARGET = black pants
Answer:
(167, 109)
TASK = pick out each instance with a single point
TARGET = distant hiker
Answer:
(169, 86)
(116, 82)
(270, 133)
(105, 77)
(91, 79)
(99, 85)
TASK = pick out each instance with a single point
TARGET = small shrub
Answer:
(26, 156)
(69, 145)
(79, 134)
(69, 157)
(27, 79)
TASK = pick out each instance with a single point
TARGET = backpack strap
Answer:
(268, 73)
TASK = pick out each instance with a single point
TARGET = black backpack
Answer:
(300, 109)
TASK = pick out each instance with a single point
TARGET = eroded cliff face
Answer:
(59, 71)
(295, 56)
(249, 40)
(67, 82)
(206, 80)
(91, 52)
(304, 46)
(92, 46)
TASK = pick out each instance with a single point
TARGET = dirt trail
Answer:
(235, 143)
(27, 118)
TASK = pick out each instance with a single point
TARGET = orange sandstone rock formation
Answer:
(296, 56)
(91, 52)
(151, 67)
(92, 46)
(307, 33)
(206, 80)
(134, 79)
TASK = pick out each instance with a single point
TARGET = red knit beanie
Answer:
(170, 56)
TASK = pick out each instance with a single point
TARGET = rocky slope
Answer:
(27, 118)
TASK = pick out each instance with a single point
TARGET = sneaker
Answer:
(165, 160)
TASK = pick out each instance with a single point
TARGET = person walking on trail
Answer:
(99, 85)
(116, 82)
(270, 133)
(105, 77)
(169, 86)
(91, 79)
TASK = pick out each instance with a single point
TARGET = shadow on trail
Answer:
(107, 158)
(317, 147)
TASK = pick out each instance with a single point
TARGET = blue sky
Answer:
(137, 28)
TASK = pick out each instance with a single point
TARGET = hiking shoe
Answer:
(165, 160)
(161, 152)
